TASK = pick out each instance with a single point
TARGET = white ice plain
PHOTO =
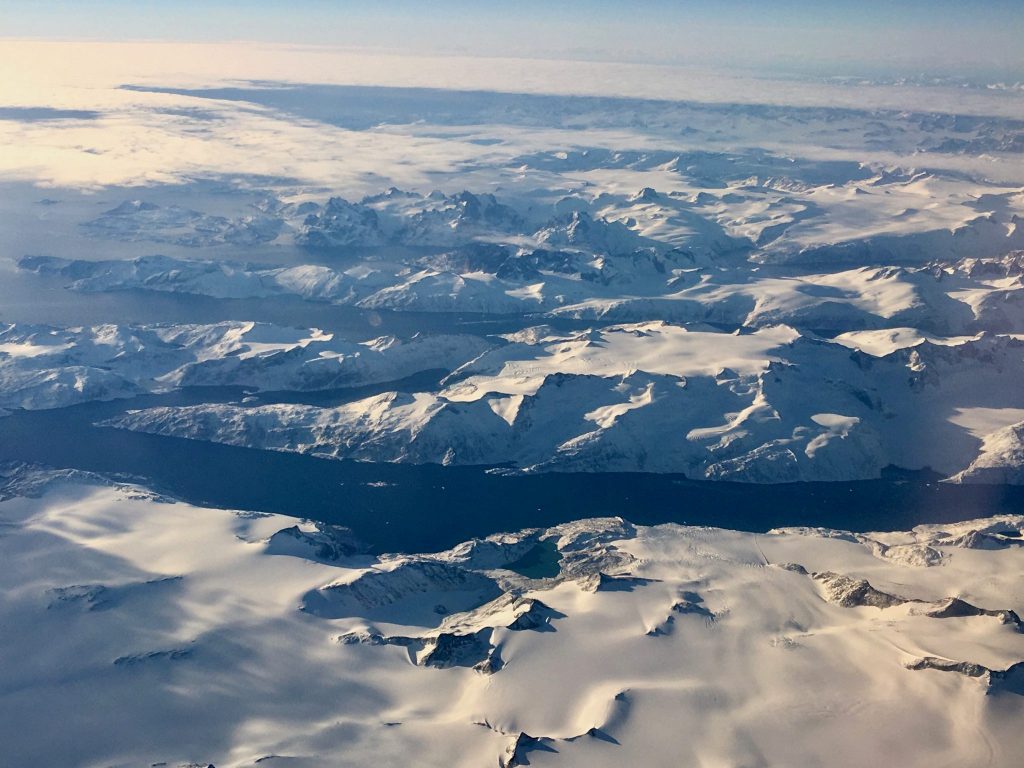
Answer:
(156, 632)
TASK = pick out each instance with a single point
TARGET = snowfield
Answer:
(235, 639)
(222, 263)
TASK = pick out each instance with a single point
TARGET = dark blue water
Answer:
(426, 508)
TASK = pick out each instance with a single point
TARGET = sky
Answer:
(968, 38)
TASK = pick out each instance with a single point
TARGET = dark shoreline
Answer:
(420, 508)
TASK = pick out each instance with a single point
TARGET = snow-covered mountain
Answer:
(139, 220)
(767, 406)
(783, 323)
(964, 296)
(45, 367)
(459, 296)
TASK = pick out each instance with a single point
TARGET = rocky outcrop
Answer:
(325, 543)
(1009, 680)
(854, 593)
(603, 582)
(376, 589)
(954, 607)
(517, 753)
(340, 224)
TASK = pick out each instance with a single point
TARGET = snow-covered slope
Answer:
(962, 296)
(767, 406)
(44, 367)
(1001, 459)
(236, 639)
(138, 220)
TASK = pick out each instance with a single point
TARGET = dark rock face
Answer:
(794, 567)
(997, 681)
(329, 543)
(372, 637)
(602, 582)
(442, 651)
(693, 604)
(537, 616)
(688, 604)
(966, 668)
(516, 753)
(153, 656)
(375, 591)
(852, 593)
(461, 647)
(955, 608)
(450, 649)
